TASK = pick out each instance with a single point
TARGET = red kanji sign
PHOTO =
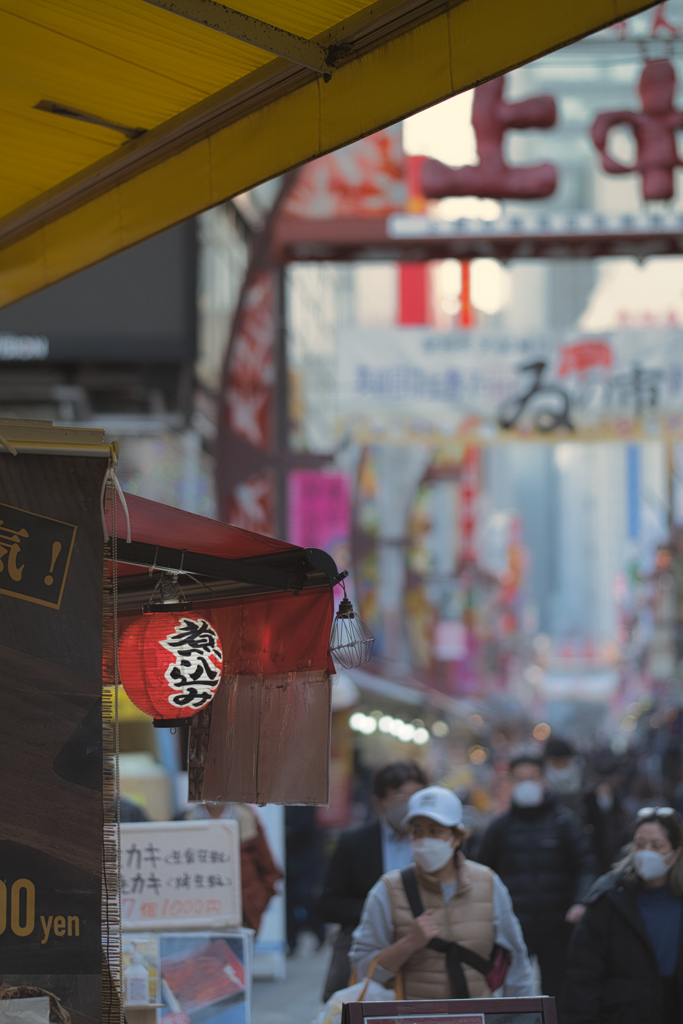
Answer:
(492, 177)
(654, 128)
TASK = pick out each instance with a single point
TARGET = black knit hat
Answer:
(557, 747)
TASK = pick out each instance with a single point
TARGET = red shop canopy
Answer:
(265, 736)
(273, 600)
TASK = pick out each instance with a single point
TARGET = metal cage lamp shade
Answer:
(351, 641)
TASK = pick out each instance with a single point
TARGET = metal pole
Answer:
(281, 405)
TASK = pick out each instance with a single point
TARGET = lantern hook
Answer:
(153, 566)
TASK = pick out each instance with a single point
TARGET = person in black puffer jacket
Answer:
(625, 962)
(541, 854)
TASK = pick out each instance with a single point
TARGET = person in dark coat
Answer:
(564, 774)
(606, 822)
(543, 858)
(625, 963)
(362, 855)
(305, 865)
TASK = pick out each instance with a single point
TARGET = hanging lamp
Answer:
(351, 640)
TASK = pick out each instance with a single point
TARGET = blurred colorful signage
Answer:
(320, 511)
(405, 384)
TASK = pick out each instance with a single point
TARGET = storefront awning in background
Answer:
(411, 694)
(121, 118)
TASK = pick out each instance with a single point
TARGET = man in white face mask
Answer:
(542, 855)
(564, 774)
(363, 854)
(412, 918)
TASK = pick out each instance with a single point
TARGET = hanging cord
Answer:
(112, 478)
(115, 492)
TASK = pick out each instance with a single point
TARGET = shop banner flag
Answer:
(51, 814)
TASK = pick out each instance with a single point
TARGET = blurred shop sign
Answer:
(138, 307)
(594, 686)
(180, 874)
(407, 384)
(320, 511)
(23, 348)
(450, 641)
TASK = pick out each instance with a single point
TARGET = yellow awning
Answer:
(120, 118)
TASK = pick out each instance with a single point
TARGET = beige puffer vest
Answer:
(466, 919)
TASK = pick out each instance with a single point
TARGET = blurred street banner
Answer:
(367, 179)
(405, 384)
(598, 687)
(320, 511)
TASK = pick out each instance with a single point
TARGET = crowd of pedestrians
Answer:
(584, 882)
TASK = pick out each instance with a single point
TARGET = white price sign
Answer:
(180, 874)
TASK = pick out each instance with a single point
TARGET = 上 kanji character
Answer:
(492, 177)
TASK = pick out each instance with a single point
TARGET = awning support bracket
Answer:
(250, 30)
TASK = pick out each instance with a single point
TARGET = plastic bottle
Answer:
(137, 981)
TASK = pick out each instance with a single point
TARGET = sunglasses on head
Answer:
(655, 812)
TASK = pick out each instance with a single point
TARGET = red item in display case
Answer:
(199, 979)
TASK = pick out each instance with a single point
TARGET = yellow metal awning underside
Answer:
(120, 118)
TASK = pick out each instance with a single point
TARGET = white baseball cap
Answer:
(438, 803)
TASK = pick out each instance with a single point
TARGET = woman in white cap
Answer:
(446, 923)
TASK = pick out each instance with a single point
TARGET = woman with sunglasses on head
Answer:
(625, 961)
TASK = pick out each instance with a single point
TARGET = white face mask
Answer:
(649, 864)
(528, 793)
(564, 780)
(605, 802)
(432, 854)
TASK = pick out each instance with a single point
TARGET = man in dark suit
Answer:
(365, 853)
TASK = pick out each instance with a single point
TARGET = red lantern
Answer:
(170, 663)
